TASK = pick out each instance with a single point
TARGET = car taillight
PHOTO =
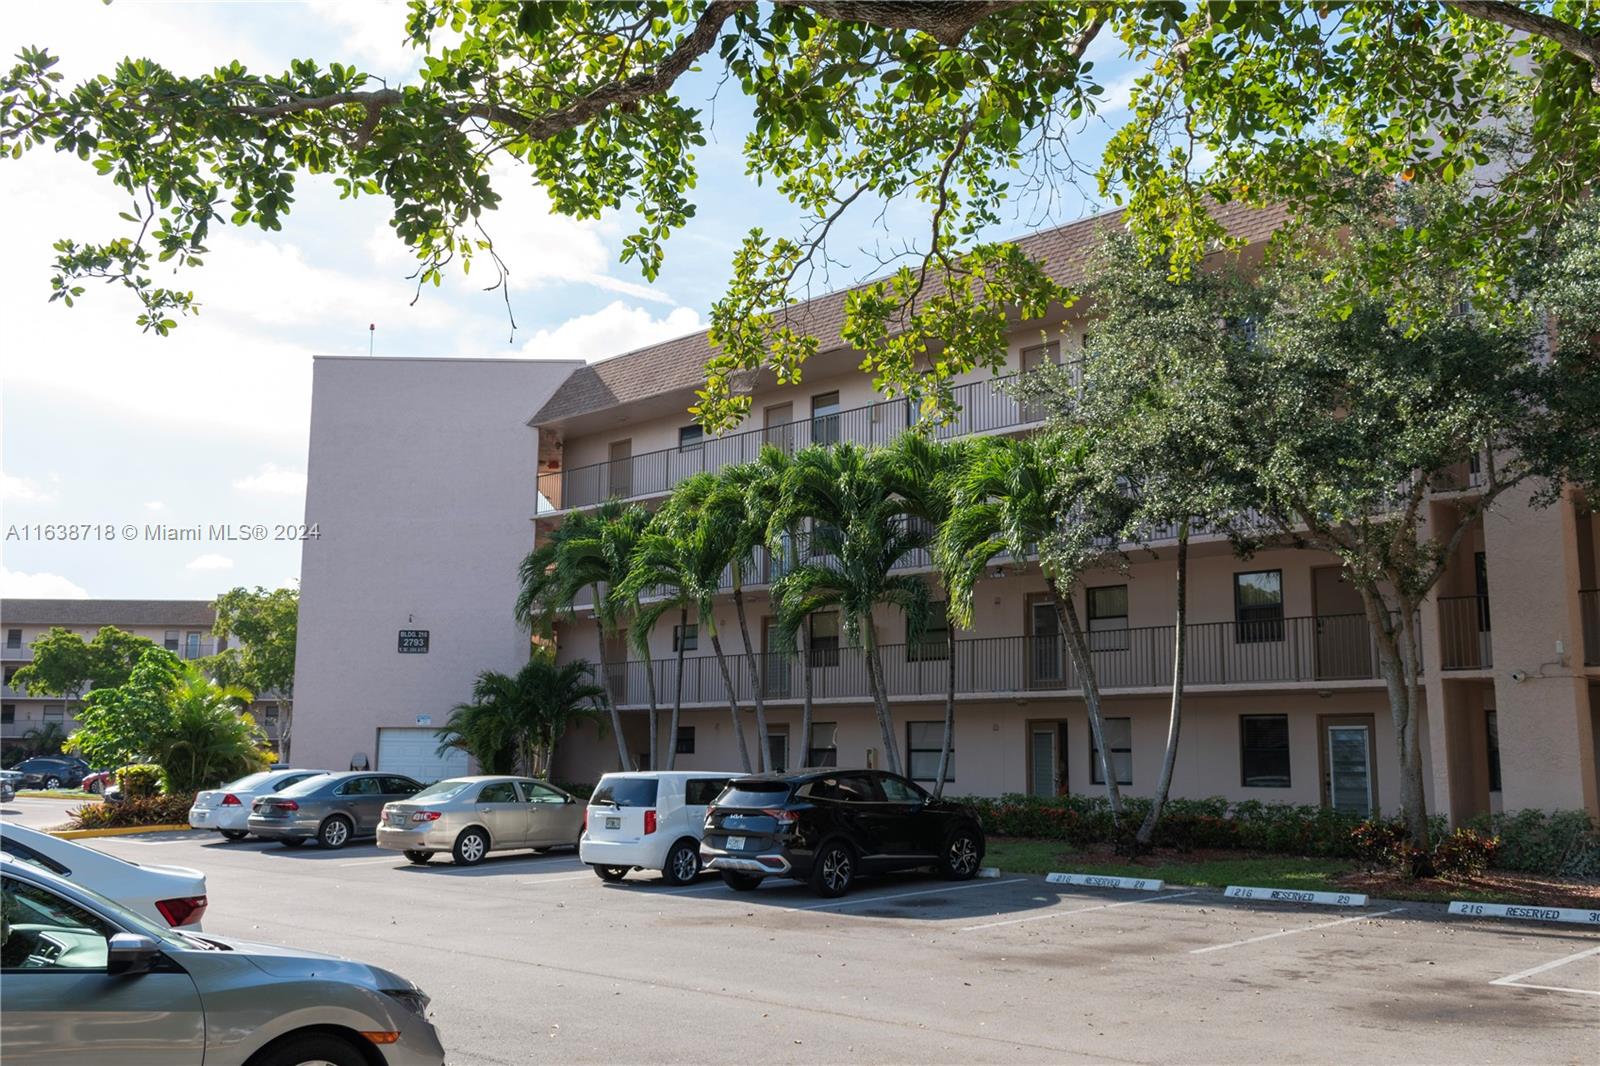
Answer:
(426, 816)
(586, 819)
(649, 822)
(287, 805)
(183, 910)
(781, 816)
(230, 800)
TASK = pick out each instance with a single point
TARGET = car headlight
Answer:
(414, 999)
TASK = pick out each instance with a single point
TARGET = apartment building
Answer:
(1284, 704)
(183, 627)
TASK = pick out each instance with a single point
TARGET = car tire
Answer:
(611, 874)
(420, 858)
(97, 788)
(233, 834)
(471, 846)
(52, 782)
(292, 842)
(335, 832)
(683, 862)
(962, 856)
(742, 882)
(311, 1048)
(833, 869)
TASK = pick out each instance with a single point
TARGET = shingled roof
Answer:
(679, 364)
(108, 612)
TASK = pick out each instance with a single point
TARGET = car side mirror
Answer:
(569, 799)
(128, 954)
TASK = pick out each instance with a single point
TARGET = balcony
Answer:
(1464, 633)
(1274, 652)
(985, 407)
(18, 729)
(1589, 606)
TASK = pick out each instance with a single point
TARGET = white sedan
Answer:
(227, 809)
(170, 895)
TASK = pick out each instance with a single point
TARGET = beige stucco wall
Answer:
(420, 478)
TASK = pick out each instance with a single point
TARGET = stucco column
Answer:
(1546, 736)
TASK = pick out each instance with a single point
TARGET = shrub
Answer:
(1383, 844)
(1464, 852)
(581, 790)
(143, 810)
(1561, 843)
(141, 780)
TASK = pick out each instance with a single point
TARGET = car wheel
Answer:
(962, 856)
(97, 787)
(683, 863)
(292, 842)
(611, 874)
(233, 834)
(833, 870)
(419, 857)
(314, 1049)
(335, 832)
(52, 782)
(742, 882)
(471, 846)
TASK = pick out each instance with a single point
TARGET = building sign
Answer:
(413, 642)
(424, 719)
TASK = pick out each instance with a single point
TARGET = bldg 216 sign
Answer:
(413, 642)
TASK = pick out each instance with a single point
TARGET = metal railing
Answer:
(1589, 607)
(1282, 651)
(1464, 642)
(984, 407)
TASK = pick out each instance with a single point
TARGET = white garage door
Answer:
(413, 752)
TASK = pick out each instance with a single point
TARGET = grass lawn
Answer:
(56, 794)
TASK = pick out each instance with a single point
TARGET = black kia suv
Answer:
(830, 826)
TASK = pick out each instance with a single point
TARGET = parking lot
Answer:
(531, 958)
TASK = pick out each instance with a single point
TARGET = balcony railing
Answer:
(1464, 633)
(1270, 652)
(22, 727)
(985, 407)
(1589, 606)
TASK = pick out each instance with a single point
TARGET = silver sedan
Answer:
(472, 816)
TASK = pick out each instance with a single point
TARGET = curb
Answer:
(127, 830)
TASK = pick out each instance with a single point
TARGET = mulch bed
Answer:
(1498, 885)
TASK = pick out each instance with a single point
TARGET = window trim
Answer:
(1288, 751)
(1094, 752)
(696, 443)
(685, 733)
(689, 633)
(1105, 642)
(950, 768)
(1270, 630)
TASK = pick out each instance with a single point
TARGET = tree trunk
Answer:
(733, 701)
(763, 749)
(677, 689)
(1078, 647)
(655, 724)
(880, 700)
(605, 686)
(805, 702)
(1175, 721)
(285, 724)
(949, 712)
(1397, 659)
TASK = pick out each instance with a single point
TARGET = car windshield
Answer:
(753, 794)
(442, 790)
(616, 791)
(306, 787)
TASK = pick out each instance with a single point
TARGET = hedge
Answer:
(143, 810)
(1564, 843)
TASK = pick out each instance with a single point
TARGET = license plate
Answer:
(201, 816)
(614, 823)
(736, 843)
(397, 818)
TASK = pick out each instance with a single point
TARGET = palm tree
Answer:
(1019, 495)
(208, 739)
(690, 543)
(858, 535)
(924, 473)
(590, 550)
(44, 739)
(659, 565)
(513, 722)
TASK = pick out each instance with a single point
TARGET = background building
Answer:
(421, 486)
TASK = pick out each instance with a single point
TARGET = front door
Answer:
(1349, 780)
(1047, 759)
(1344, 641)
(778, 421)
(1044, 644)
(619, 470)
(778, 749)
(503, 813)
(774, 663)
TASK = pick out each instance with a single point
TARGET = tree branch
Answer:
(1573, 41)
(946, 21)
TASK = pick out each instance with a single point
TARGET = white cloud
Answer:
(154, 505)
(15, 584)
(274, 480)
(613, 329)
(373, 31)
(15, 489)
(211, 561)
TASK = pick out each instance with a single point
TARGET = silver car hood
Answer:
(282, 961)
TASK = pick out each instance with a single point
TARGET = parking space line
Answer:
(1075, 910)
(364, 862)
(1515, 980)
(1292, 932)
(904, 895)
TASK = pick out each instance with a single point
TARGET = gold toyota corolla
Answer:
(468, 817)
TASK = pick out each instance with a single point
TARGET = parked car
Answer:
(169, 895)
(472, 816)
(227, 809)
(828, 827)
(88, 980)
(8, 785)
(98, 781)
(332, 809)
(51, 771)
(649, 820)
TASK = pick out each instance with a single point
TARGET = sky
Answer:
(109, 431)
